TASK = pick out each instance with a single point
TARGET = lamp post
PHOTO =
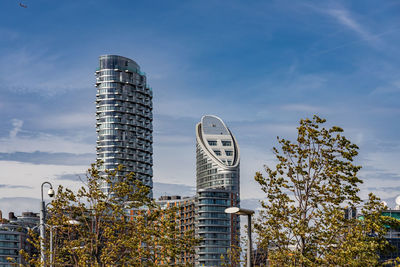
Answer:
(70, 222)
(43, 221)
(240, 211)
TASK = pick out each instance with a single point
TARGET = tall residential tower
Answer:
(124, 117)
(218, 187)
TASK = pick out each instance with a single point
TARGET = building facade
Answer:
(124, 117)
(218, 187)
(393, 236)
(13, 238)
(217, 230)
(187, 212)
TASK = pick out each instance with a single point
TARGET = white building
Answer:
(217, 156)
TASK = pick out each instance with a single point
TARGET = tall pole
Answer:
(51, 246)
(42, 231)
(249, 243)
(43, 223)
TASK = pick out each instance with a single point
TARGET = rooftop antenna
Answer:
(397, 203)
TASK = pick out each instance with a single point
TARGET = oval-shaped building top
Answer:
(217, 140)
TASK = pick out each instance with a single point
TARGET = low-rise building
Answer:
(13, 237)
(186, 216)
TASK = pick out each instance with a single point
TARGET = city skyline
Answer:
(259, 66)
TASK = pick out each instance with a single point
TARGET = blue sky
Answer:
(259, 65)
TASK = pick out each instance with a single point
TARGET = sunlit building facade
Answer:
(124, 117)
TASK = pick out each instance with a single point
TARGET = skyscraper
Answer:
(218, 187)
(124, 117)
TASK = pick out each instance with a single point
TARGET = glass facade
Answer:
(218, 187)
(124, 117)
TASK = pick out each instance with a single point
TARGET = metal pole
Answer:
(42, 226)
(51, 246)
(42, 232)
(249, 243)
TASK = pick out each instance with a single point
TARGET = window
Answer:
(212, 143)
(217, 152)
(229, 152)
(226, 143)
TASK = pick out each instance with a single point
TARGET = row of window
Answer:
(137, 95)
(224, 143)
(8, 244)
(227, 152)
(214, 194)
(212, 208)
(214, 222)
(214, 236)
(116, 88)
(213, 183)
(215, 242)
(214, 201)
(213, 215)
(8, 237)
(8, 251)
(213, 249)
(213, 229)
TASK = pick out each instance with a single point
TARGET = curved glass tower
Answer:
(124, 117)
(218, 187)
(217, 156)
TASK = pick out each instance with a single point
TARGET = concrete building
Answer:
(218, 187)
(124, 117)
(13, 235)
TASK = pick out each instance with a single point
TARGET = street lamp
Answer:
(240, 211)
(70, 222)
(43, 221)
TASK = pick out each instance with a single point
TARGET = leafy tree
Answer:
(303, 220)
(121, 228)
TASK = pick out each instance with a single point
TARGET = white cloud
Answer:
(17, 124)
(74, 120)
(394, 87)
(36, 70)
(45, 143)
(32, 176)
(344, 17)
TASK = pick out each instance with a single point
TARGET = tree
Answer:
(121, 228)
(303, 220)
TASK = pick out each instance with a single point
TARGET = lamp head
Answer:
(51, 192)
(232, 210)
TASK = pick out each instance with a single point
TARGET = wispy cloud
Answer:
(71, 176)
(393, 88)
(39, 157)
(37, 70)
(17, 124)
(13, 186)
(345, 18)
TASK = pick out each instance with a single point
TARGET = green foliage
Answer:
(303, 220)
(107, 234)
